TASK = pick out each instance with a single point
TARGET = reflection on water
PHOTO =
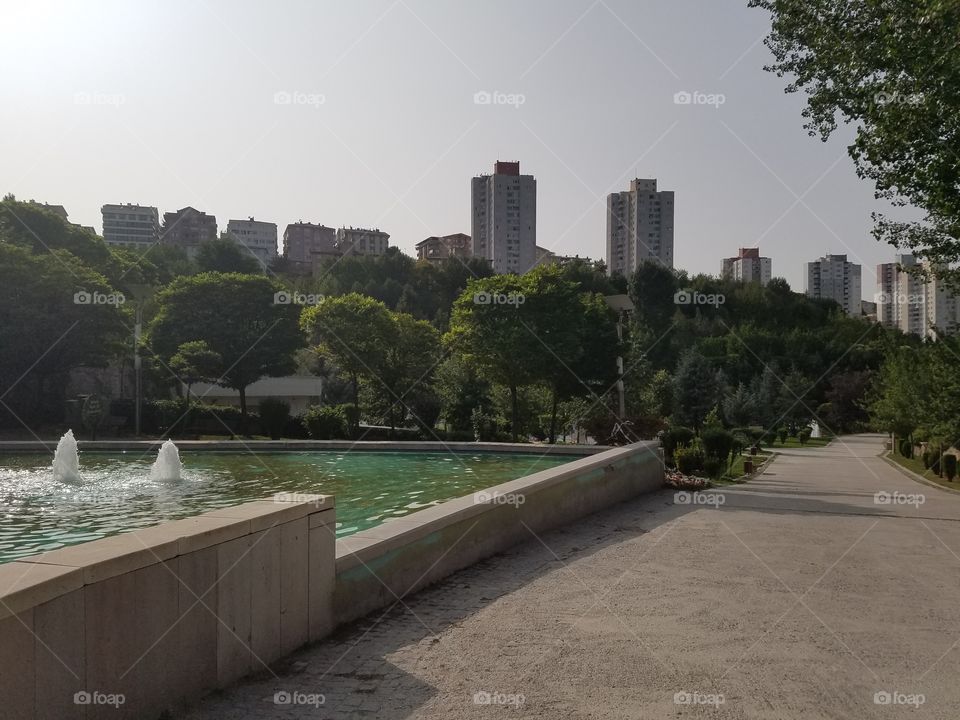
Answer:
(38, 512)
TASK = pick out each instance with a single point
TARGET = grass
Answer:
(795, 443)
(917, 466)
(736, 469)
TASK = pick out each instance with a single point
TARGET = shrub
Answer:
(274, 414)
(782, 436)
(950, 466)
(804, 435)
(672, 438)
(935, 461)
(757, 435)
(717, 443)
(690, 458)
(712, 467)
(326, 423)
(927, 458)
(741, 441)
(906, 448)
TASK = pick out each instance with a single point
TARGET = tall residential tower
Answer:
(503, 228)
(639, 227)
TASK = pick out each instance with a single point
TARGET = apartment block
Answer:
(833, 277)
(503, 227)
(306, 243)
(187, 229)
(437, 249)
(639, 227)
(258, 237)
(131, 226)
(361, 241)
(747, 266)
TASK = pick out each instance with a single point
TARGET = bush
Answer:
(326, 423)
(927, 458)
(274, 414)
(741, 441)
(782, 436)
(935, 461)
(690, 458)
(804, 435)
(757, 435)
(672, 438)
(717, 443)
(713, 468)
(950, 466)
(906, 448)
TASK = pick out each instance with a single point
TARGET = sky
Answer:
(371, 113)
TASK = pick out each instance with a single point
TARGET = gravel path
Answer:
(796, 596)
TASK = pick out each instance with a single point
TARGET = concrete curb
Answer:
(917, 478)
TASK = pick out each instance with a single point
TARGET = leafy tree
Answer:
(891, 67)
(238, 318)
(226, 256)
(462, 390)
(195, 362)
(354, 332)
(693, 390)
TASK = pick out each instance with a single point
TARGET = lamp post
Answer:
(141, 293)
(623, 306)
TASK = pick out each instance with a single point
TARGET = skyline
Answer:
(382, 130)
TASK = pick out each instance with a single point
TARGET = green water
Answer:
(116, 494)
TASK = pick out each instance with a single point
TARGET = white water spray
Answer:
(167, 466)
(66, 459)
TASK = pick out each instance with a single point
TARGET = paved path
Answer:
(798, 597)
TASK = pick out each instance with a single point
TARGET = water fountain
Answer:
(167, 466)
(66, 459)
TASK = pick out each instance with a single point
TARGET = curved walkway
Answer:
(803, 594)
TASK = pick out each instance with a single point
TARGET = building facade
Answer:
(187, 229)
(258, 237)
(361, 241)
(503, 228)
(437, 249)
(908, 302)
(833, 277)
(639, 227)
(747, 266)
(304, 244)
(131, 226)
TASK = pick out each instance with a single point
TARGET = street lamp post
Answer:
(623, 306)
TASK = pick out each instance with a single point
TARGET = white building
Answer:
(747, 266)
(360, 241)
(131, 226)
(907, 302)
(639, 227)
(258, 237)
(832, 277)
(503, 228)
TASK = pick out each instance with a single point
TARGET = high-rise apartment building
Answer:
(747, 266)
(503, 228)
(639, 227)
(361, 241)
(188, 228)
(131, 226)
(258, 237)
(833, 277)
(908, 302)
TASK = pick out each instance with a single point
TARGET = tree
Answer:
(462, 390)
(892, 67)
(226, 256)
(239, 319)
(195, 362)
(354, 332)
(693, 390)
(652, 288)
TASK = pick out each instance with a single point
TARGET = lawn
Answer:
(736, 469)
(917, 466)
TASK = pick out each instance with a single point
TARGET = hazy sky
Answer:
(176, 103)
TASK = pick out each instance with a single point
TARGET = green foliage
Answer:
(690, 458)
(950, 466)
(327, 422)
(718, 443)
(195, 362)
(226, 256)
(891, 69)
(804, 435)
(906, 448)
(782, 435)
(693, 389)
(713, 467)
(274, 414)
(674, 437)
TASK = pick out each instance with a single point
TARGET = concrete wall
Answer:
(164, 615)
(376, 567)
(161, 616)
